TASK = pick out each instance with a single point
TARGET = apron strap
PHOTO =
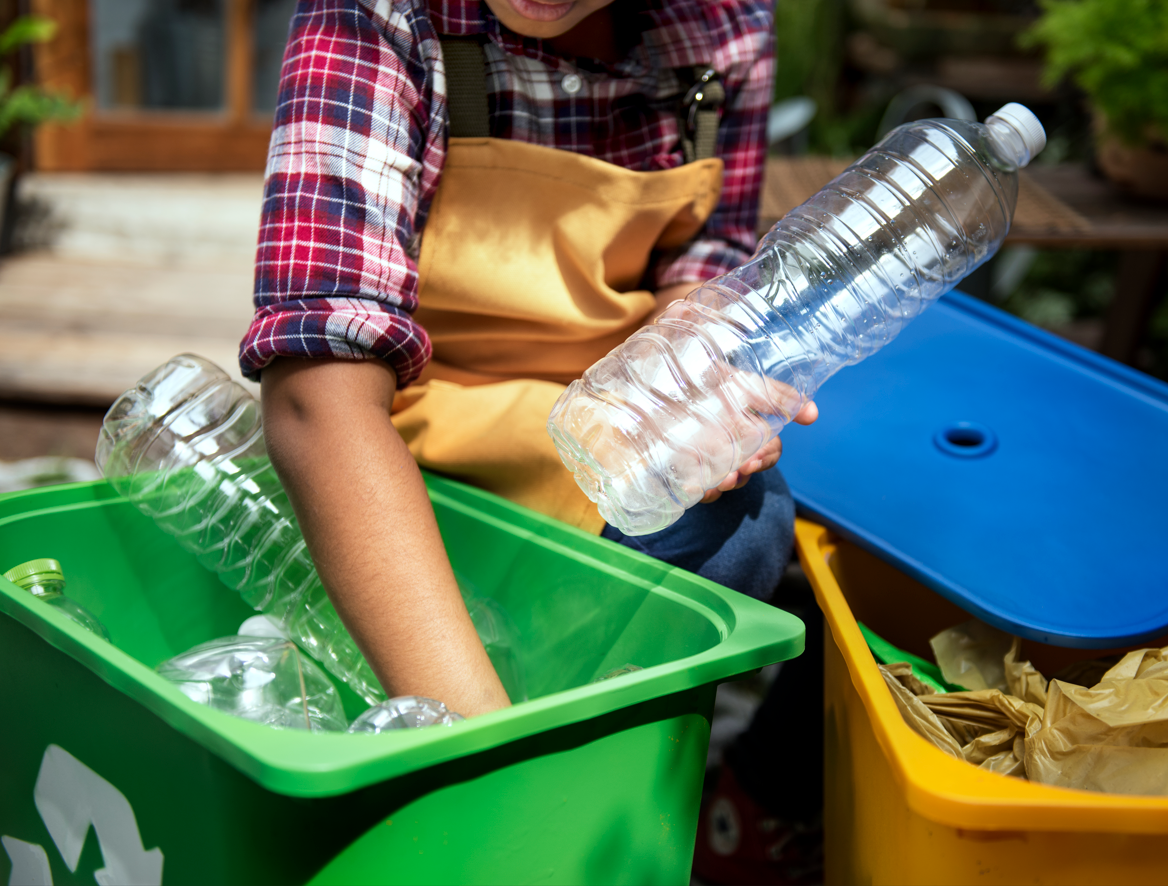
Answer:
(701, 110)
(466, 87)
(466, 98)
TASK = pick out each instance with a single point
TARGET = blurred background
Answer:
(135, 133)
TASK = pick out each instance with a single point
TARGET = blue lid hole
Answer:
(965, 436)
(966, 439)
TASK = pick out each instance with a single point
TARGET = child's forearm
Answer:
(365, 514)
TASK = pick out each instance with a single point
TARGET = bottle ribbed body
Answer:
(186, 446)
(687, 400)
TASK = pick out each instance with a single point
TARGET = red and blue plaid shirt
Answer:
(360, 140)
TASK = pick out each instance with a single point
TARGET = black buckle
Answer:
(699, 97)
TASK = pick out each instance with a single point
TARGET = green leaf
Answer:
(31, 105)
(1117, 52)
(26, 29)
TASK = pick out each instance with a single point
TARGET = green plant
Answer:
(1117, 52)
(809, 51)
(1061, 287)
(29, 105)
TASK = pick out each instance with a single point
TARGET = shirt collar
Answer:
(460, 18)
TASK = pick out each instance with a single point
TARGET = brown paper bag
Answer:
(1112, 737)
(923, 721)
(986, 727)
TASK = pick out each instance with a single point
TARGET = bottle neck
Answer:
(1007, 144)
(43, 588)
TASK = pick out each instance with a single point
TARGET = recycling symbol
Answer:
(70, 797)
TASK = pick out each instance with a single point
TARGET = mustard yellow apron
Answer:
(527, 272)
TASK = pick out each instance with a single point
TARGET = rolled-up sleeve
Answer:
(745, 59)
(353, 164)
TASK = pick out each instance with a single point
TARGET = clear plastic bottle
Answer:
(44, 580)
(404, 712)
(671, 412)
(265, 679)
(185, 445)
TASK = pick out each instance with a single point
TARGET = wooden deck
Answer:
(131, 270)
(128, 270)
(74, 331)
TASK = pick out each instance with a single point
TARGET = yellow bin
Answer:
(897, 809)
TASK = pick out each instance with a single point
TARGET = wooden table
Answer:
(1059, 207)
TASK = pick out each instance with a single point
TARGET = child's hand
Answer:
(765, 459)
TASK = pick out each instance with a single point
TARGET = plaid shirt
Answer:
(360, 141)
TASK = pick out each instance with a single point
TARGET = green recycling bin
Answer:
(113, 775)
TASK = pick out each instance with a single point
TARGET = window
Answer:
(181, 85)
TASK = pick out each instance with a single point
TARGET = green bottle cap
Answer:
(35, 572)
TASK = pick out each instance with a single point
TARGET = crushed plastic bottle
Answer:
(265, 679)
(404, 712)
(44, 580)
(685, 401)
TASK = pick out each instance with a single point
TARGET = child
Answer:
(466, 205)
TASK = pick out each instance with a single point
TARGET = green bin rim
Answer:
(295, 763)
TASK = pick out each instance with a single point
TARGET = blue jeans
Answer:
(743, 540)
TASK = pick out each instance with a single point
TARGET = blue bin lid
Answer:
(1022, 477)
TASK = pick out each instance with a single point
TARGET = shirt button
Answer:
(571, 83)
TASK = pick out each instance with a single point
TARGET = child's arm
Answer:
(368, 521)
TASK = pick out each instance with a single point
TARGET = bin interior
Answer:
(157, 601)
(900, 810)
(582, 606)
(906, 613)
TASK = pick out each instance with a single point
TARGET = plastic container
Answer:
(672, 411)
(1021, 524)
(583, 784)
(405, 712)
(898, 810)
(265, 679)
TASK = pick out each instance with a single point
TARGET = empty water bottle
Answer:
(44, 580)
(684, 402)
(404, 712)
(185, 445)
(265, 679)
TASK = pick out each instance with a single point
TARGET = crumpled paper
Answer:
(970, 655)
(1111, 736)
(985, 727)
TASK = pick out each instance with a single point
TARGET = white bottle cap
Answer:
(1027, 125)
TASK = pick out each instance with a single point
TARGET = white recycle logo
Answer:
(70, 797)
